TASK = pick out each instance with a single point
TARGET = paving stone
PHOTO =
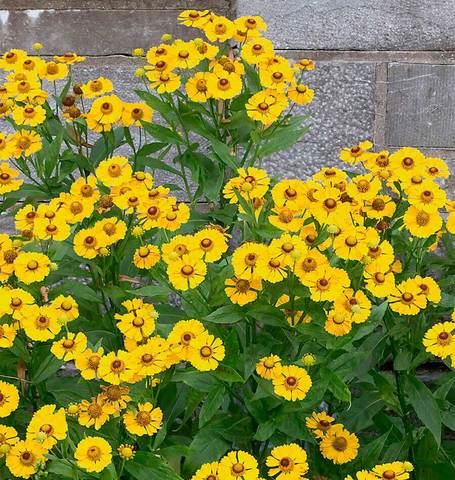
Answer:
(88, 32)
(420, 105)
(342, 114)
(357, 24)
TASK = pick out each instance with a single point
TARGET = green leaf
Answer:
(162, 134)
(156, 104)
(267, 315)
(212, 403)
(282, 140)
(151, 291)
(378, 312)
(425, 406)
(223, 153)
(226, 314)
(147, 466)
(371, 451)
(227, 374)
(265, 430)
(336, 385)
(45, 367)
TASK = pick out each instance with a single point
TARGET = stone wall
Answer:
(385, 68)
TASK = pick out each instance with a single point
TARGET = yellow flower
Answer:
(245, 261)
(126, 451)
(407, 298)
(421, 223)
(257, 50)
(427, 196)
(338, 323)
(7, 335)
(24, 458)
(151, 358)
(339, 445)
(66, 308)
(269, 367)
(301, 94)
(139, 323)
(327, 283)
(94, 413)
(87, 243)
(56, 229)
(40, 323)
(85, 188)
(407, 162)
(429, 288)
(9, 398)
(292, 383)
(224, 85)
(32, 267)
(287, 461)
(164, 82)
(194, 18)
(5, 145)
(394, 470)
(115, 368)
(439, 340)
(363, 187)
(135, 113)
(186, 54)
(67, 348)
(242, 291)
(379, 206)
(212, 243)
(266, 106)
(352, 243)
(97, 87)
(207, 351)
(12, 58)
(175, 216)
(88, 361)
(293, 316)
(207, 471)
(249, 27)
(8, 438)
(69, 58)
(25, 142)
(146, 256)
(182, 336)
(115, 397)
(219, 29)
(93, 454)
(7, 179)
(436, 168)
(48, 426)
(355, 304)
(52, 71)
(357, 153)
(238, 465)
(319, 423)
(276, 75)
(250, 183)
(286, 219)
(196, 87)
(30, 115)
(305, 64)
(145, 421)
(106, 110)
(187, 272)
(328, 206)
(14, 302)
(308, 261)
(114, 171)
(379, 280)
(272, 267)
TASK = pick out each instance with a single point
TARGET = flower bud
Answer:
(138, 52)
(37, 46)
(166, 37)
(140, 72)
(309, 359)
(53, 266)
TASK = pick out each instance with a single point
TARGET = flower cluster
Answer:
(186, 327)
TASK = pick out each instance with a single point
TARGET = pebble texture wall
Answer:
(385, 68)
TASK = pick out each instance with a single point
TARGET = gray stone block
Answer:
(420, 105)
(215, 5)
(342, 114)
(88, 32)
(357, 24)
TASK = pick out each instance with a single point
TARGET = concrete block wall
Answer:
(385, 68)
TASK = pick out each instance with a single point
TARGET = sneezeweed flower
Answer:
(269, 367)
(301, 94)
(187, 272)
(9, 398)
(439, 340)
(287, 461)
(40, 323)
(339, 445)
(242, 291)
(126, 451)
(146, 256)
(68, 347)
(206, 353)
(115, 368)
(25, 457)
(407, 298)
(319, 423)
(182, 336)
(8, 438)
(146, 420)
(93, 454)
(97, 87)
(32, 267)
(421, 223)
(88, 361)
(47, 426)
(114, 171)
(357, 153)
(208, 471)
(338, 322)
(239, 464)
(93, 413)
(8, 179)
(292, 383)
(394, 470)
(136, 113)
